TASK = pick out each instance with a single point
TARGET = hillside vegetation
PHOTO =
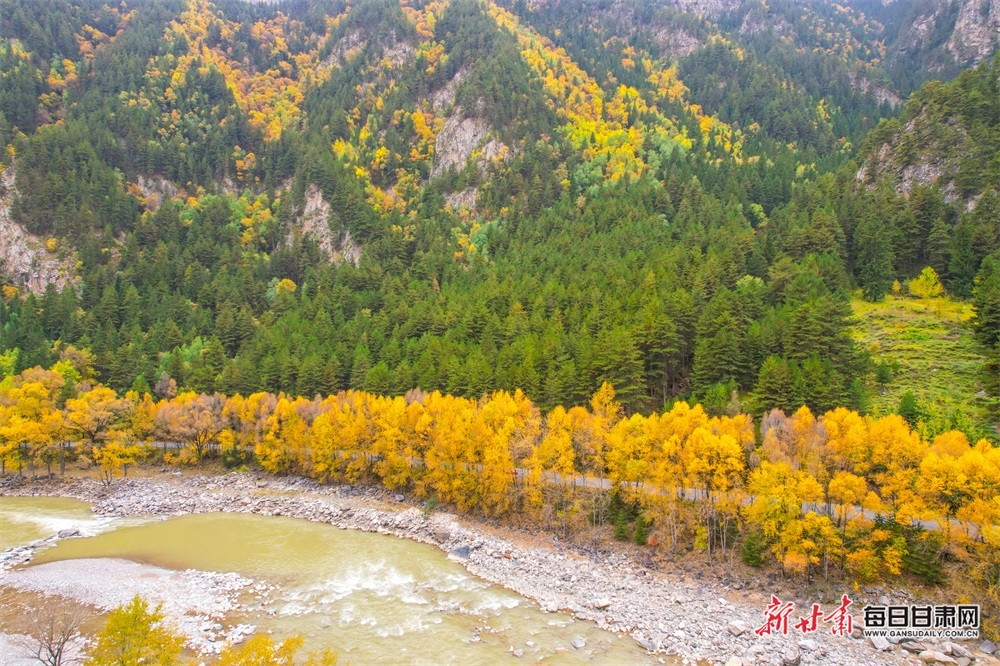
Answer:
(933, 355)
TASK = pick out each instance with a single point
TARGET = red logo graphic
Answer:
(776, 618)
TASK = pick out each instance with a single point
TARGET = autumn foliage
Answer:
(819, 495)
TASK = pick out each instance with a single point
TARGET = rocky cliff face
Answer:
(880, 92)
(24, 258)
(920, 154)
(456, 141)
(976, 31)
(315, 222)
(463, 138)
(966, 31)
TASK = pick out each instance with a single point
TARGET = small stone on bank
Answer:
(955, 650)
(737, 628)
(914, 647)
(880, 643)
(791, 657)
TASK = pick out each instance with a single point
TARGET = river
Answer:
(373, 598)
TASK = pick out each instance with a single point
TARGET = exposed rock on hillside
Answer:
(675, 42)
(346, 48)
(396, 50)
(707, 8)
(23, 256)
(154, 190)
(976, 31)
(464, 199)
(880, 92)
(917, 155)
(444, 97)
(967, 32)
(315, 222)
(456, 141)
(759, 21)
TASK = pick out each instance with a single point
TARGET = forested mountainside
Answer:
(316, 195)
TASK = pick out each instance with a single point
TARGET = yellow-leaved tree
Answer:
(117, 453)
(261, 650)
(392, 428)
(927, 284)
(778, 494)
(604, 413)
(713, 462)
(501, 419)
(192, 420)
(32, 425)
(90, 415)
(846, 491)
(283, 444)
(134, 634)
(628, 454)
(451, 472)
(551, 470)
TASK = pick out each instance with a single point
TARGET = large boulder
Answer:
(880, 643)
(459, 554)
(737, 628)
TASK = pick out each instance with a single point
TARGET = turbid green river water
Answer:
(27, 519)
(373, 598)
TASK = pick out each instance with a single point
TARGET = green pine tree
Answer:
(642, 528)
(939, 248)
(873, 264)
(206, 368)
(776, 386)
(360, 367)
(986, 302)
(379, 379)
(910, 409)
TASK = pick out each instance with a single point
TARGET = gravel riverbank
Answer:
(666, 613)
(195, 602)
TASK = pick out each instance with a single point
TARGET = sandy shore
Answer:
(666, 613)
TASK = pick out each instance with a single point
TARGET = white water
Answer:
(26, 519)
(373, 598)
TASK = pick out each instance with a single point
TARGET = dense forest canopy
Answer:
(311, 196)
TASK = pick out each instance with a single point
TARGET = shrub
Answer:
(622, 531)
(642, 526)
(753, 549)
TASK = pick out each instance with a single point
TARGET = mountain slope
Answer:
(463, 196)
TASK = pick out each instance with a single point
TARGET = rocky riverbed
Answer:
(666, 612)
(195, 602)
